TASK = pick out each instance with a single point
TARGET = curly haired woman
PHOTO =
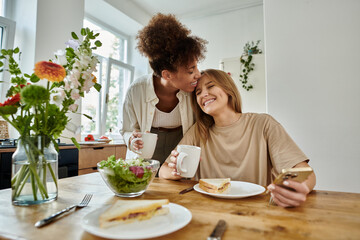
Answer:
(161, 102)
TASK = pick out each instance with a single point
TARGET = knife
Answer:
(218, 231)
(186, 190)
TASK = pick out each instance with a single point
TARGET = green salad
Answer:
(126, 176)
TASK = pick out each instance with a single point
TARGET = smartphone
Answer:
(294, 174)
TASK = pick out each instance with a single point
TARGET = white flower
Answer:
(85, 61)
(73, 107)
(75, 94)
(60, 57)
(67, 82)
(88, 84)
(86, 75)
(74, 78)
(74, 44)
(56, 98)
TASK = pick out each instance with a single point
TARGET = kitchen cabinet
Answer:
(90, 155)
(67, 163)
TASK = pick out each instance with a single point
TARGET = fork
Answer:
(57, 215)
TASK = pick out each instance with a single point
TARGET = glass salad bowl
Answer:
(129, 177)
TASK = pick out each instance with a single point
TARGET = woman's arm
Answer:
(287, 198)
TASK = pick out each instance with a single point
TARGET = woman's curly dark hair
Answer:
(168, 44)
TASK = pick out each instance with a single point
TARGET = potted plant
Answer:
(246, 63)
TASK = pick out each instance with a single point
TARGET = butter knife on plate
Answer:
(218, 231)
(186, 190)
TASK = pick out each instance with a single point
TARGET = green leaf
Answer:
(34, 78)
(85, 115)
(75, 142)
(3, 52)
(7, 110)
(74, 36)
(16, 50)
(1, 64)
(97, 87)
(83, 32)
(98, 43)
(27, 75)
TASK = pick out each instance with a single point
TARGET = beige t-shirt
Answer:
(253, 149)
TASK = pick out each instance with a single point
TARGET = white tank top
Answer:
(167, 120)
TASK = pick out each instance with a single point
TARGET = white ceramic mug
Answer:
(149, 145)
(188, 160)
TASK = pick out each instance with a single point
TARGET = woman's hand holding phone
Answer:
(289, 189)
(285, 197)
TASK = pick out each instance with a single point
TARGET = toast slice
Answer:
(127, 211)
(215, 185)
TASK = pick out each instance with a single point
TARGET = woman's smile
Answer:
(209, 101)
(194, 84)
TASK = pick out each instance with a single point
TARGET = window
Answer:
(7, 33)
(115, 76)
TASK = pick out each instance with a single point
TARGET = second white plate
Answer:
(90, 143)
(178, 217)
(238, 190)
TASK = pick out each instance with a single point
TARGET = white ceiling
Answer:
(186, 9)
(131, 15)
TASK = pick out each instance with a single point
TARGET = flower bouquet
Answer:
(38, 113)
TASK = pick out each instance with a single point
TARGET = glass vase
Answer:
(34, 171)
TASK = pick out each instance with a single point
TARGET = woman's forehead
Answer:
(202, 81)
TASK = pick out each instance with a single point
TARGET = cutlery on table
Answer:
(218, 231)
(186, 190)
(51, 218)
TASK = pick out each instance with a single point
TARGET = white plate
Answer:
(177, 218)
(103, 140)
(238, 190)
(90, 143)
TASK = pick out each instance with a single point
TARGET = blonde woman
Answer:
(243, 146)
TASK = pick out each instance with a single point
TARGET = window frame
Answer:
(103, 94)
(110, 62)
(7, 42)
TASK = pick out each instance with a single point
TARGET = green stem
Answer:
(19, 178)
(53, 175)
(34, 190)
(32, 166)
(27, 175)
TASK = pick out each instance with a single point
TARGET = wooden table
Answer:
(325, 215)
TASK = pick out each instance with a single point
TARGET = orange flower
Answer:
(49, 70)
(94, 80)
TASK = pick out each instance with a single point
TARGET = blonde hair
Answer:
(226, 83)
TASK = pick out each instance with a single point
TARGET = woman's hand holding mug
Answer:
(145, 141)
(138, 144)
(185, 161)
(172, 164)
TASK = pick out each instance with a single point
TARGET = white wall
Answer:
(23, 12)
(253, 100)
(312, 60)
(227, 33)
